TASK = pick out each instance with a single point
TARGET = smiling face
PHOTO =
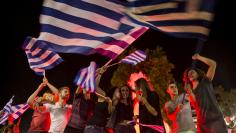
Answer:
(124, 92)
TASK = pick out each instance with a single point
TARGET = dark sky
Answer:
(22, 21)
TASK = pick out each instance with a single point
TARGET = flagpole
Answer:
(108, 62)
(44, 74)
(100, 95)
(114, 64)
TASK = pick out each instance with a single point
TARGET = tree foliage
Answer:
(156, 67)
(227, 103)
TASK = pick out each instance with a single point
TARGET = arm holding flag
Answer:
(211, 63)
(31, 99)
(33, 96)
(99, 91)
(147, 105)
(50, 86)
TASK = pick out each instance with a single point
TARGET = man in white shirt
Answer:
(59, 112)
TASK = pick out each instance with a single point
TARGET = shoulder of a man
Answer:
(48, 106)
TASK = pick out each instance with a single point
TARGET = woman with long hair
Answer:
(199, 86)
(149, 108)
(123, 109)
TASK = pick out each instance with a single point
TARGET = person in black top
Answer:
(103, 106)
(82, 109)
(123, 109)
(149, 110)
(199, 86)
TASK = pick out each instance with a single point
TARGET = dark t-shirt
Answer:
(124, 112)
(81, 111)
(209, 116)
(146, 117)
(100, 114)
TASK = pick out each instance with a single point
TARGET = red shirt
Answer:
(40, 121)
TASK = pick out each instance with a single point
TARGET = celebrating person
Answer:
(40, 122)
(199, 86)
(178, 110)
(59, 112)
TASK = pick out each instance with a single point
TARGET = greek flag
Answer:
(179, 18)
(134, 58)
(40, 59)
(86, 27)
(108, 27)
(86, 78)
(15, 111)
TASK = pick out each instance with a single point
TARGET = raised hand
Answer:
(45, 80)
(195, 56)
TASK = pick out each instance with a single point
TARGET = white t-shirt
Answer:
(59, 117)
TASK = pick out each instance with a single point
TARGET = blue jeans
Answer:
(94, 129)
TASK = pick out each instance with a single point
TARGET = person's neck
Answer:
(124, 101)
(195, 83)
(173, 97)
(101, 100)
(62, 102)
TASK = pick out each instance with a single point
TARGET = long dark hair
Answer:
(129, 99)
(142, 83)
(201, 74)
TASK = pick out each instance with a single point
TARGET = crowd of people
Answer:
(98, 113)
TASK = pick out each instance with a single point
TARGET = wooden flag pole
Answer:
(108, 62)
(104, 65)
(44, 74)
(114, 64)
(100, 95)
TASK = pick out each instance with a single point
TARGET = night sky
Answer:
(22, 21)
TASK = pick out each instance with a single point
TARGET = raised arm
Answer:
(172, 114)
(149, 107)
(211, 65)
(188, 89)
(51, 87)
(30, 100)
(115, 98)
(99, 73)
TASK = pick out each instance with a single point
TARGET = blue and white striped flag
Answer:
(134, 58)
(40, 59)
(7, 110)
(180, 18)
(86, 78)
(7, 107)
(86, 27)
(15, 111)
(19, 110)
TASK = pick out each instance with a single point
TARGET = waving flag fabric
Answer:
(108, 27)
(86, 78)
(19, 110)
(40, 59)
(135, 57)
(7, 110)
(15, 111)
(86, 27)
(180, 18)
(7, 107)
